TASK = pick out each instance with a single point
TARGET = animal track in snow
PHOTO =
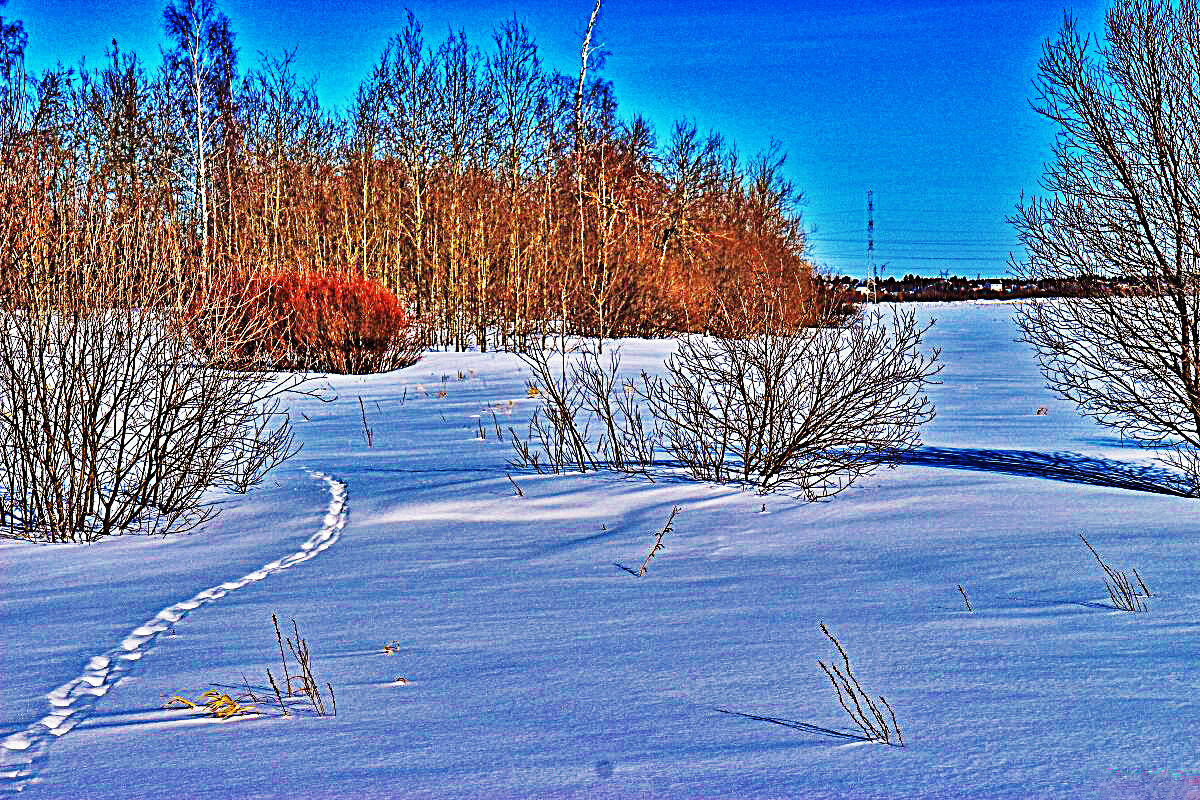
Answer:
(22, 752)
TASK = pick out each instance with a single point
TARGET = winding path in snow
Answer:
(22, 752)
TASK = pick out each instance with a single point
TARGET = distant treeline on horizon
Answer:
(955, 287)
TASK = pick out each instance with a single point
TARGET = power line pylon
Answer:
(872, 269)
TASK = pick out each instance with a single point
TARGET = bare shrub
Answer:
(555, 437)
(324, 323)
(110, 423)
(627, 442)
(811, 409)
(575, 394)
(774, 405)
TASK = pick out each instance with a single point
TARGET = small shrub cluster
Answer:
(559, 432)
(322, 323)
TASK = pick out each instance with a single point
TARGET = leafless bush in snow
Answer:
(555, 426)
(811, 409)
(112, 422)
(575, 394)
(1124, 595)
(627, 441)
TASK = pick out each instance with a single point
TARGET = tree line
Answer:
(496, 196)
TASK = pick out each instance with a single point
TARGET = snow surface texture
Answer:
(536, 667)
(71, 702)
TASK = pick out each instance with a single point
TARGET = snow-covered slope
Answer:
(535, 666)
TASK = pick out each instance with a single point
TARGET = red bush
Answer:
(305, 321)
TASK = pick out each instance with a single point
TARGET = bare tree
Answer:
(1123, 210)
(404, 83)
(14, 99)
(201, 65)
(515, 73)
(692, 169)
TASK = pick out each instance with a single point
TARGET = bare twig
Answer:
(278, 695)
(850, 693)
(1145, 590)
(1120, 589)
(964, 596)
(658, 540)
(249, 691)
(287, 678)
(368, 432)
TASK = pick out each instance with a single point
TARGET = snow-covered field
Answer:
(537, 667)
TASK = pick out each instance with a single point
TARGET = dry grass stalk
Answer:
(658, 540)
(368, 431)
(278, 694)
(309, 686)
(1120, 589)
(249, 691)
(287, 678)
(871, 721)
(1145, 590)
(216, 704)
(527, 456)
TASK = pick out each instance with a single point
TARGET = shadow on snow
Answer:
(802, 726)
(1059, 466)
(1067, 467)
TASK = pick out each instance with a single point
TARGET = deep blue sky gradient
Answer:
(925, 101)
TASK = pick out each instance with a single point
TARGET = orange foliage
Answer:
(290, 320)
(493, 228)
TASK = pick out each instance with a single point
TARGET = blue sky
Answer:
(923, 102)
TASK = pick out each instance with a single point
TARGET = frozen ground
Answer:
(536, 667)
